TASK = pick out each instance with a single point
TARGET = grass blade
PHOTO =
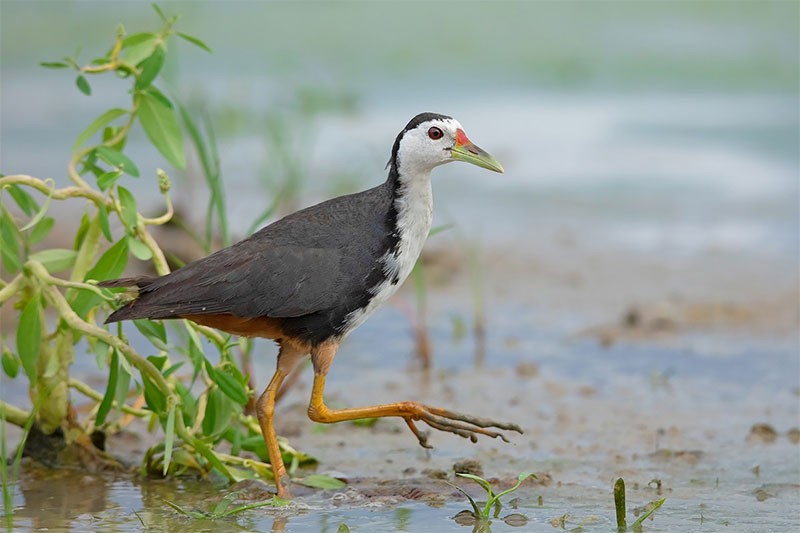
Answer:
(646, 514)
(619, 504)
(475, 508)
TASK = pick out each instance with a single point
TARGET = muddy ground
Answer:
(679, 375)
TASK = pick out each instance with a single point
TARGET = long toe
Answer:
(467, 426)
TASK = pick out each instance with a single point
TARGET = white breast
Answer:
(414, 217)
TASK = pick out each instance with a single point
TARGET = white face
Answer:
(427, 146)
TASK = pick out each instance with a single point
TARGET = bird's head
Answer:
(430, 140)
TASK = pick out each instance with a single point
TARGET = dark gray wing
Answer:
(299, 265)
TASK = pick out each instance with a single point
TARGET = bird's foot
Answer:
(282, 486)
(466, 426)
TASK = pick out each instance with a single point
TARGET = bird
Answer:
(309, 279)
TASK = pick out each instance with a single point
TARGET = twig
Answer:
(86, 390)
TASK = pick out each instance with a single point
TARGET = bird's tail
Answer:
(128, 311)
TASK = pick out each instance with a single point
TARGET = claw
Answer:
(466, 426)
(422, 436)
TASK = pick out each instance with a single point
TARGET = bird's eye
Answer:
(435, 133)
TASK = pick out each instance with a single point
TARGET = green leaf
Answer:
(108, 179)
(439, 229)
(102, 213)
(172, 369)
(479, 480)
(83, 85)
(161, 126)
(161, 15)
(55, 259)
(154, 331)
(95, 126)
(42, 211)
(83, 230)
(219, 409)
(10, 363)
(136, 39)
(130, 214)
(153, 397)
(41, 230)
(111, 389)
(229, 385)
(194, 40)
(9, 243)
(476, 511)
(115, 158)
(522, 477)
(53, 64)
(321, 481)
(109, 266)
(644, 516)
(191, 514)
(158, 361)
(138, 47)
(24, 200)
(169, 438)
(29, 336)
(139, 249)
(224, 503)
(150, 67)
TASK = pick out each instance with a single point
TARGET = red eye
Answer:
(435, 133)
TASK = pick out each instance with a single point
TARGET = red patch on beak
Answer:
(461, 138)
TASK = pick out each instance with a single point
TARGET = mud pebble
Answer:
(465, 518)
(762, 433)
(527, 369)
(435, 473)
(515, 520)
(409, 471)
(252, 489)
(690, 456)
(794, 435)
(468, 466)
(761, 495)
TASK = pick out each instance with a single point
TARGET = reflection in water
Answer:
(54, 498)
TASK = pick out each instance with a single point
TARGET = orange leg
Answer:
(462, 425)
(288, 358)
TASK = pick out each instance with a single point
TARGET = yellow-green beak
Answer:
(465, 150)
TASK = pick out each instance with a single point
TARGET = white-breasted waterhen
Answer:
(311, 278)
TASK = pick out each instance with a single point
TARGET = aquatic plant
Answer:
(223, 508)
(619, 506)
(58, 303)
(480, 517)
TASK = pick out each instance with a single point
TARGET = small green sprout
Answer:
(221, 510)
(481, 516)
(619, 505)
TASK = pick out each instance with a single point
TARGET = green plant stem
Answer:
(74, 321)
(57, 194)
(13, 414)
(159, 261)
(12, 288)
(88, 391)
(163, 219)
(242, 461)
(143, 365)
(51, 280)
